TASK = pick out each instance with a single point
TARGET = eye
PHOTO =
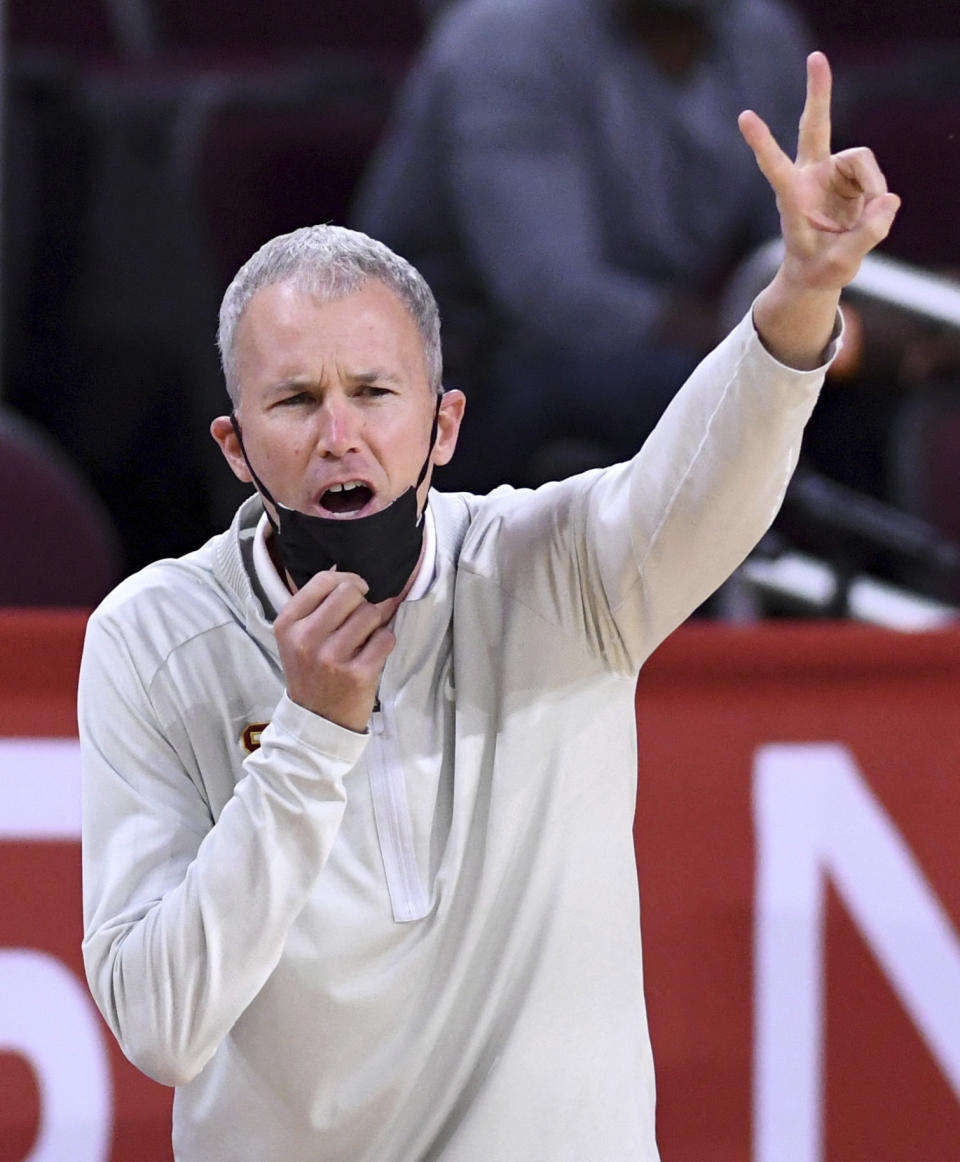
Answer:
(373, 391)
(299, 397)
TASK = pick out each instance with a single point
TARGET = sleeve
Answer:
(619, 557)
(184, 918)
(521, 185)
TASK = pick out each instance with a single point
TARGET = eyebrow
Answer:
(306, 383)
(376, 374)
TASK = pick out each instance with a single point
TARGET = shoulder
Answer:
(509, 529)
(459, 514)
(158, 610)
(184, 586)
(469, 18)
(491, 35)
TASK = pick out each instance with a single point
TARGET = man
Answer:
(568, 177)
(358, 862)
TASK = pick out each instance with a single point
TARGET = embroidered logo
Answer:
(251, 736)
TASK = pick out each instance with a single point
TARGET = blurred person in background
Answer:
(568, 176)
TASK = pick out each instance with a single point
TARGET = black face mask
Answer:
(382, 548)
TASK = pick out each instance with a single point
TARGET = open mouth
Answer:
(346, 499)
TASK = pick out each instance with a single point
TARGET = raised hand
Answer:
(834, 208)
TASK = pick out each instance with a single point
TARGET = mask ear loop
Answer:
(433, 440)
(261, 487)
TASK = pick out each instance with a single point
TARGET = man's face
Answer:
(335, 394)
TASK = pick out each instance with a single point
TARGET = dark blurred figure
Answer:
(568, 176)
(67, 551)
(106, 330)
(46, 194)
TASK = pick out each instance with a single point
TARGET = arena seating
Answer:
(206, 129)
(60, 548)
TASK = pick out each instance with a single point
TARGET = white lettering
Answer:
(816, 817)
(39, 789)
(47, 1017)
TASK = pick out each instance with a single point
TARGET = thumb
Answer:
(878, 217)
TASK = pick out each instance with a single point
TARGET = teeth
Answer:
(348, 486)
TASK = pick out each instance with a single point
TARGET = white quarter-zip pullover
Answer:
(422, 942)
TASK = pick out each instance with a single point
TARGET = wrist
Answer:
(796, 322)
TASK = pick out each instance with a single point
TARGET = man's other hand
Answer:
(333, 646)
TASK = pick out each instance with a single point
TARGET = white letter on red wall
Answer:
(46, 1014)
(46, 1017)
(816, 817)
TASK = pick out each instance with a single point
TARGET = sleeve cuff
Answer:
(317, 733)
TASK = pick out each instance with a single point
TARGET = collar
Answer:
(275, 587)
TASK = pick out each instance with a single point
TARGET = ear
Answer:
(452, 406)
(226, 438)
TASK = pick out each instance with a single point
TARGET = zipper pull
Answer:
(376, 717)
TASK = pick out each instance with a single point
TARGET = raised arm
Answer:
(656, 536)
(834, 208)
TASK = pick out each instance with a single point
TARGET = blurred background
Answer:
(149, 146)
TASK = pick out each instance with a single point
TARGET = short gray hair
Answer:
(329, 262)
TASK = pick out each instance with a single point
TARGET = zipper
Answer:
(408, 896)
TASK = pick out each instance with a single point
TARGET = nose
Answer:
(340, 427)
